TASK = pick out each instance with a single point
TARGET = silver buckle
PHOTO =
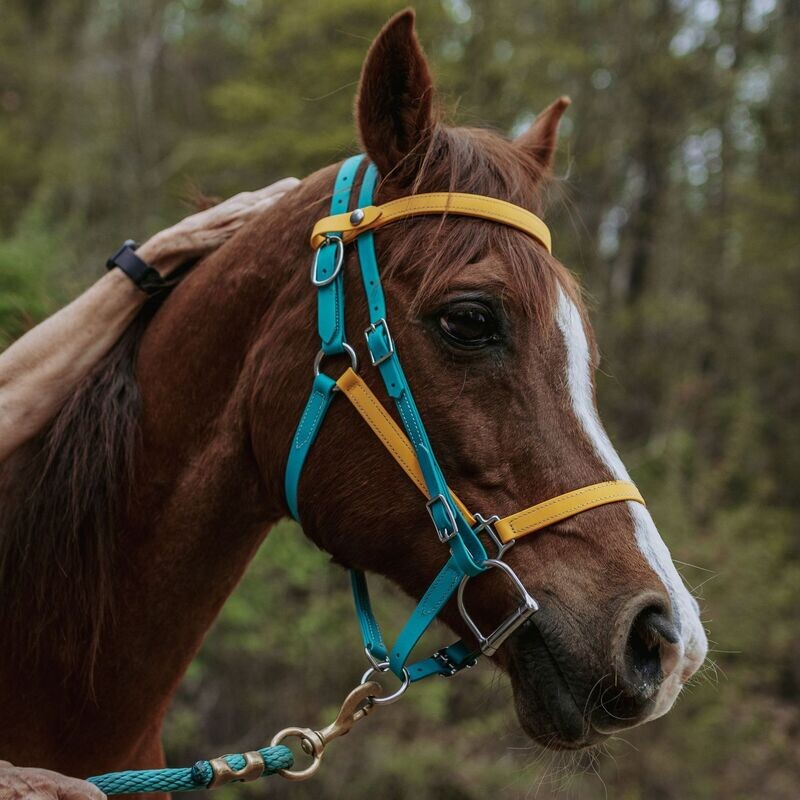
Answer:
(443, 537)
(389, 341)
(489, 644)
(330, 238)
(488, 526)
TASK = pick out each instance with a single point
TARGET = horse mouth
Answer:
(547, 708)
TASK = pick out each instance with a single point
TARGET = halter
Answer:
(455, 526)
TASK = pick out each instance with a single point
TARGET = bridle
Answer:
(455, 526)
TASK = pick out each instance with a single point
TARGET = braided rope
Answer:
(186, 779)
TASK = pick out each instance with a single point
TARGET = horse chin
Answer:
(546, 706)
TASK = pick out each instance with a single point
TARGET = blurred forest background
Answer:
(679, 207)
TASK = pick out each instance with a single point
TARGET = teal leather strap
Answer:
(467, 552)
(450, 524)
(322, 393)
(370, 632)
(330, 299)
(328, 267)
(327, 274)
(428, 608)
(445, 662)
(365, 246)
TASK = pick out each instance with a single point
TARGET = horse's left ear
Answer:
(394, 108)
(539, 141)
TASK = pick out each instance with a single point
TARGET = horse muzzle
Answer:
(574, 685)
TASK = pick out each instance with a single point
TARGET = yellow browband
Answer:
(353, 223)
(509, 528)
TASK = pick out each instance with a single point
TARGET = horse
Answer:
(124, 528)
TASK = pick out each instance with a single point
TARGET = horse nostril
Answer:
(652, 651)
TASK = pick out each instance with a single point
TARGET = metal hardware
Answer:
(488, 526)
(383, 666)
(334, 239)
(443, 658)
(355, 707)
(373, 328)
(446, 536)
(489, 644)
(224, 773)
(350, 352)
(371, 658)
(357, 216)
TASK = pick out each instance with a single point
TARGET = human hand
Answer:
(28, 783)
(205, 231)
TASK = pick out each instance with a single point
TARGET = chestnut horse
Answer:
(126, 527)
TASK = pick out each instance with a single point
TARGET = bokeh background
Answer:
(678, 205)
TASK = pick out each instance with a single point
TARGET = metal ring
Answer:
(350, 352)
(303, 735)
(383, 666)
(330, 238)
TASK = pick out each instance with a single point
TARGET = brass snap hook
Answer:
(355, 707)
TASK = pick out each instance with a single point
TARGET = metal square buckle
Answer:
(489, 644)
(445, 536)
(388, 341)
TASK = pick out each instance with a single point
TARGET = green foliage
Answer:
(678, 207)
(27, 275)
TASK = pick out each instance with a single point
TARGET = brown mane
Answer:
(62, 496)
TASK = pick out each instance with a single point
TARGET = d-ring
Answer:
(489, 644)
(347, 349)
(334, 239)
(383, 666)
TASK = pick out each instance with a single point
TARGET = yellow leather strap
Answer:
(565, 506)
(512, 527)
(352, 224)
(389, 433)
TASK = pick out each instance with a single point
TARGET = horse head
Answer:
(499, 352)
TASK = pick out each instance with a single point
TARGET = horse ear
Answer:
(539, 141)
(395, 97)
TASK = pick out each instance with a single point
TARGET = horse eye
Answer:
(469, 325)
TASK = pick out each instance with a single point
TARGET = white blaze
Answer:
(651, 545)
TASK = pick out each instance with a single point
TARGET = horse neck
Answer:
(206, 498)
(202, 500)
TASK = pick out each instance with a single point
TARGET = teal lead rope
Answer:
(187, 779)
